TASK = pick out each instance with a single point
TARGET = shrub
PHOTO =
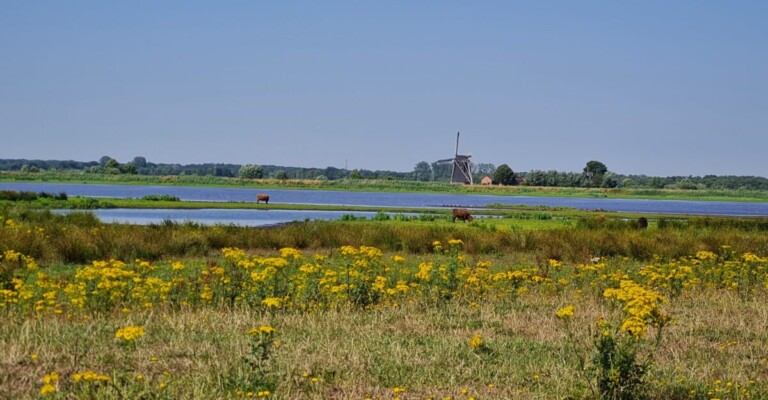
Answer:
(160, 197)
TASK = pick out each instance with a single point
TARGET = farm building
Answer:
(486, 180)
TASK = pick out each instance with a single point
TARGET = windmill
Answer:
(461, 171)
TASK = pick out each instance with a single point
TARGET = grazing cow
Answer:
(642, 223)
(462, 214)
(262, 197)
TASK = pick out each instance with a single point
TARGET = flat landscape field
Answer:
(578, 305)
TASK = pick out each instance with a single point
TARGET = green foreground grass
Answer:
(716, 345)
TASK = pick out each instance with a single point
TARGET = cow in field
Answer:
(642, 223)
(462, 214)
(262, 197)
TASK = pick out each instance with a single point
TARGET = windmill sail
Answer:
(461, 169)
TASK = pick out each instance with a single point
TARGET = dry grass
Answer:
(355, 354)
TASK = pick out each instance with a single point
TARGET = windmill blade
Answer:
(457, 143)
(445, 160)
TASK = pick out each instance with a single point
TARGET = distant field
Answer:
(393, 186)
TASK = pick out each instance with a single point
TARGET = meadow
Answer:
(536, 305)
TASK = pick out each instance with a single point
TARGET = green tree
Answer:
(355, 174)
(483, 169)
(422, 171)
(504, 175)
(104, 160)
(112, 163)
(610, 180)
(441, 171)
(128, 169)
(112, 167)
(594, 171)
(139, 162)
(30, 168)
(251, 171)
(281, 174)
(657, 183)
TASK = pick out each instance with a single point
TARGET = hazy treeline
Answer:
(577, 179)
(143, 167)
(423, 171)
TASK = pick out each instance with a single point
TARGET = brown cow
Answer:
(642, 223)
(462, 214)
(262, 197)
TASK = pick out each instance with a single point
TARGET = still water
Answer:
(379, 199)
(215, 216)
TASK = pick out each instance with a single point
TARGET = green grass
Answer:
(569, 236)
(391, 186)
(717, 336)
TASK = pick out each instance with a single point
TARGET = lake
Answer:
(215, 216)
(376, 199)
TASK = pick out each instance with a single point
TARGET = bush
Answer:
(160, 197)
(381, 216)
(251, 171)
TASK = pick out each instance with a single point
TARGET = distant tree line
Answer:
(594, 174)
(139, 165)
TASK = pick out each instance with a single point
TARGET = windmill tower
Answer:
(461, 171)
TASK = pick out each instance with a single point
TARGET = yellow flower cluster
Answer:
(363, 277)
(566, 312)
(264, 329)
(50, 383)
(129, 333)
(642, 307)
(476, 341)
(360, 276)
(90, 376)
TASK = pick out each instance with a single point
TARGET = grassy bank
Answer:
(389, 186)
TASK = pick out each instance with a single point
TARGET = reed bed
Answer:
(80, 237)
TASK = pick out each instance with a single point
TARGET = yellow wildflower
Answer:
(566, 312)
(47, 389)
(129, 333)
(51, 378)
(89, 376)
(262, 329)
(398, 258)
(288, 252)
(476, 342)
(272, 302)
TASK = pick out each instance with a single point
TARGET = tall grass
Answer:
(80, 237)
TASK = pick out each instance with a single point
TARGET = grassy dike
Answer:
(389, 186)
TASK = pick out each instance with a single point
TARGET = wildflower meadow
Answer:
(360, 322)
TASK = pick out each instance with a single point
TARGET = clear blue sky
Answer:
(650, 87)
